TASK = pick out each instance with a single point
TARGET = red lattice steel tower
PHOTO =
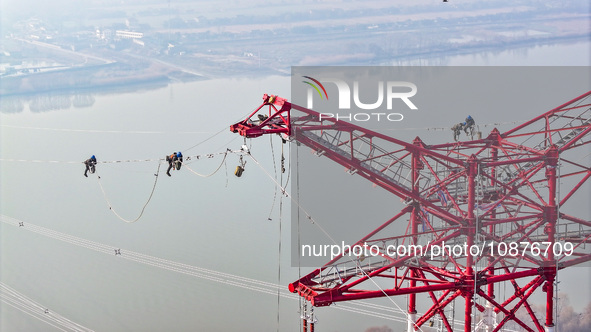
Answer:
(498, 195)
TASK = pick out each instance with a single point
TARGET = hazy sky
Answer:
(220, 223)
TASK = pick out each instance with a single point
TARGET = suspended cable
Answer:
(315, 222)
(492, 124)
(42, 315)
(205, 140)
(479, 193)
(217, 133)
(203, 273)
(80, 162)
(142, 258)
(143, 208)
(280, 235)
(226, 168)
(283, 166)
(227, 143)
(275, 170)
(36, 310)
(225, 128)
(110, 205)
(108, 131)
(32, 314)
(195, 157)
(557, 225)
(41, 161)
(587, 155)
(279, 260)
(298, 221)
(214, 172)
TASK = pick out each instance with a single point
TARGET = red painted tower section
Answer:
(506, 196)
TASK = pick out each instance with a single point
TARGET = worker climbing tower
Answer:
(478, 215)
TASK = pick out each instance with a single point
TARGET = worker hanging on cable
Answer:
(90, 165)
(469, 126)
(457, 129)
(179, 160)
(171, 162)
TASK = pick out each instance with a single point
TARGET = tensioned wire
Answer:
(203, 273)
(315, 222)
(225, 155)
(156, 174)
(25, 304)
(216, 133)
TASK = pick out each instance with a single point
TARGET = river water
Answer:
(220, 222)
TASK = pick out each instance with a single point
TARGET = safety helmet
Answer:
(93, 157)
(469, 117)
(464, 123)
(179, 154)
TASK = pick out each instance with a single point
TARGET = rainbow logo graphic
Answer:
(318, 84)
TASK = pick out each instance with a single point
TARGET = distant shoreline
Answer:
(119, 77)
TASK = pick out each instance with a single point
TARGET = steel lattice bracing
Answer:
(490, 193)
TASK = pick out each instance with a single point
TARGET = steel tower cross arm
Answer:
(565, 126)
(497, 190)
(381, 159)
(276, 121)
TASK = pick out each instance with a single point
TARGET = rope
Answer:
(315, 222)
(283, 167)
(298, 220)
(143, 208)
(226, 168)
(216, 170)
(280, 234)
(140, 160)
(275, 170)
(279, 260)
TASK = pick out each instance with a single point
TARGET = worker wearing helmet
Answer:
(457, 129)
(179, 160)
(469, 125)
(90, 165)
(171, 162)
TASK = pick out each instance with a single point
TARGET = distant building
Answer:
(128, 34)
(103, 34)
